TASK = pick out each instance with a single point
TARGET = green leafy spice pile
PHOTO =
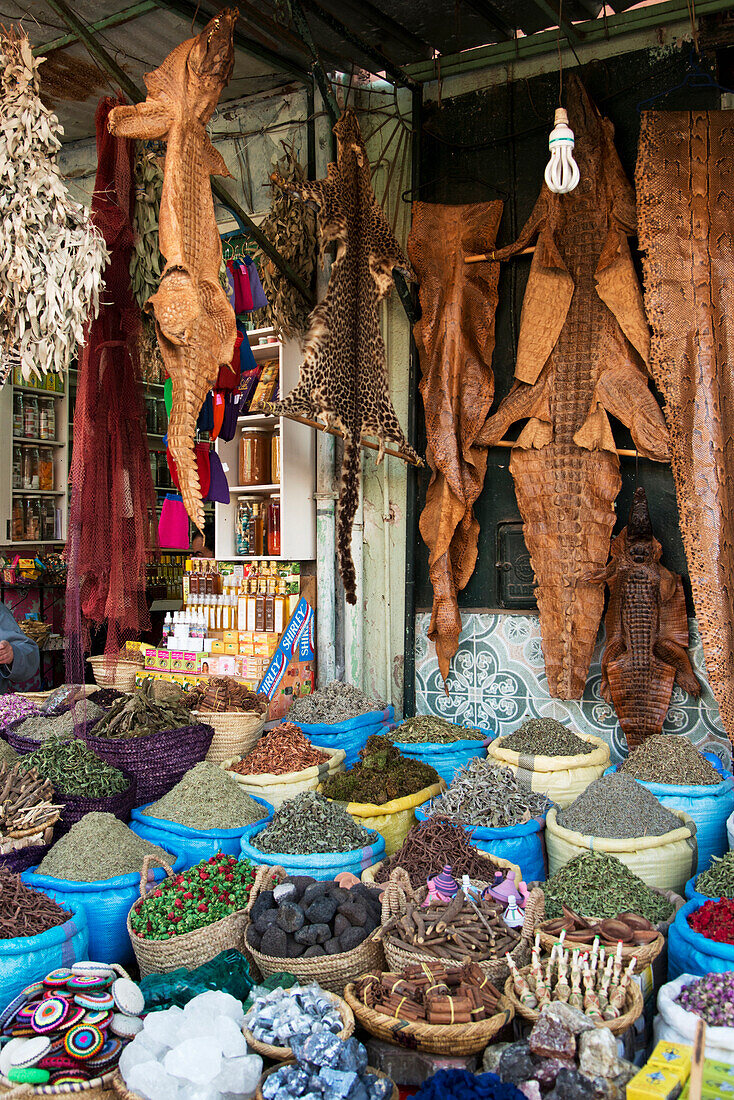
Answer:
(437, 731)
(74, 769)
(141, 713)
(205, 893)
(381, 774)
(208, 798)
(98, 847)
(718, 880)
(40, 727)
(666, 758)
(7, 755)
(310, 823)
(545, 737)
(594, 884)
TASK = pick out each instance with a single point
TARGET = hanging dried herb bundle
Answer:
(291, 228)
(383, 773)
(140, 714)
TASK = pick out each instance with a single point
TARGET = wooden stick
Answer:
(482, 256)
(699, 1047)
(363, 442)
(624, 451)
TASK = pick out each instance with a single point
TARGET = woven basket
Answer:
(235, 734)
(158, 760)
(37, 697)
(20, 859)
(645, 953)
(394, 902)
(453, 1039)
(190, 949)
(332, 972)
(633, 1007)
(281, 1054)
(77, 806)
(116, 673)
(23, 745)
(259, 1094)
(276, 789)
(496, 863)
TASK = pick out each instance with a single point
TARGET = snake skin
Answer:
(194, 321)
(685, 181)
(646, 628)
(581, 355)
(455, 340)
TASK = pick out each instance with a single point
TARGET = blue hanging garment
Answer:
(247, 359)
(205, 423)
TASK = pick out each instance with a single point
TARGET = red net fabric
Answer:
(112, 495)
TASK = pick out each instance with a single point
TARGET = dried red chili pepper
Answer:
(282, 750)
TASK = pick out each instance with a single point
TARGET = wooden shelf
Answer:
(40, 442)
(39, 492)
(39, 393)
(243, 490)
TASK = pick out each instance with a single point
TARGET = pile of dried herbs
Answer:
(617, 806)
(74, 769)
(666, 758)
(432, 845)
(310, 823)
(436, 731)
(381, 774)
(24, 911)
(336, 702)
(41, 726)
(140, 714)
(718, 880)
(7, 755)
(207, 798)
(486, 794)
(594, 884)
(545, 737)
(96, 848)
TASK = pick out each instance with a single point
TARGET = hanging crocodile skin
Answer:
(685, 181)
(647, 630)
(455, 339)
(194, 321)
(582, 355)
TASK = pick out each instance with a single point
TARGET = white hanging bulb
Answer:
(562, 171)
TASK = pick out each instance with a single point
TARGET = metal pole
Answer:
(317, 69)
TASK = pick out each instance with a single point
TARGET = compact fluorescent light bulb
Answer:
(562, 172)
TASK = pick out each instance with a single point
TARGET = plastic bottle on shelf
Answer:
(167, 624)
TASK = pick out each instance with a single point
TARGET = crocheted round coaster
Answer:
(50, 1014)
(83, 1041)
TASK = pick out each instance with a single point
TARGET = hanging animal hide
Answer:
(582, 354)
(685, 180)
(343, 379)
(455, 339)
(195, 323)
(647, 630)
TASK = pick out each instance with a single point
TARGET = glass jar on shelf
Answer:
(18, 414)
(274, 526)
(46, 418)
(275, 457)
(33, 520)
(46, 469)
(31, 468)
(255, 456)
(48, 519)
(18, 525)
(31, 425)
(17, 466)
(242, 527)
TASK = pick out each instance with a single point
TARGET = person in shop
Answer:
(19, 658)
(199, 549)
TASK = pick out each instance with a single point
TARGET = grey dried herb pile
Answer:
(595, 884)
(545, 737)
(616, 806)
(140, 714)
(336, 702)
(310, 823)
(718, 880)
(208, 798)
(486, 794)
(435, 730)
(670, 758)
(38, 728)
(7, 755)
(98, 847)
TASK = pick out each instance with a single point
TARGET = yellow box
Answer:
(653, 1083)
(263, 649)
(246, 638)
(217, 646)
(723, 1070)
(230, 637)
(232, 648)
(715, 1089)
(247, 649)
(675, 1057)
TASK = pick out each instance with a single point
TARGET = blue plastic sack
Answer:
(708, 806)
(446, 759)
(28, 959)
(691, 891)
(691, 953)
(319, 865)
(193, 844)
(106, 904)
(521, 844)
(350, 735)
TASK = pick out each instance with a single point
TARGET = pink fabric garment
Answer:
(173, 526)
(242, 291)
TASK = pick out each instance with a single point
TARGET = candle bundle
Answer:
(434, 992)
(592, 981)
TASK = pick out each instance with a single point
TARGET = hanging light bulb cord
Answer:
(560, 56)
(562, 173)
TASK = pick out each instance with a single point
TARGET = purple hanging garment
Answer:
(259, 301)
(218, 485)
(230, 284)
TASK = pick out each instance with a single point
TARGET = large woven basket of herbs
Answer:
(464, 929)
(151, 738)
(332, 971)
(629, 1011)
(75, 719)
(192, 915)
(438, 1007)
(236, 714)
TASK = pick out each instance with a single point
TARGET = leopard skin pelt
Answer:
(582, 354)
(194, 321)
(647, 630)
(455, 340)
(685, 182)
(343, 379)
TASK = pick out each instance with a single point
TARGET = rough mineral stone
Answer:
(286, 891)
(261, 904)
(264, 921)
(352, 938)
(322, 910)
(253, 937)
(547, 1069)
(274, 942)
(598, 1053)
(313, 934)
(517, 1064)
(355, 912)
(552, 1039)
(572, 1085)
(492, 1055)
(290, 917)
(531, 1090)
(314, 951)
(571, 1018)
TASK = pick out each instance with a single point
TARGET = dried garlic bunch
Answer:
(51, 255)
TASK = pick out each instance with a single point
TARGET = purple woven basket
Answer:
(158, 760)
(76, 806)
(24, 858)
(24, 745)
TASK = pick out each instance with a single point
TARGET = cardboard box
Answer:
(231, 648)
(292, 670)
(231, 637)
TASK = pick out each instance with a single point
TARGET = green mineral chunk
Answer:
(594, 884)
(310, 823)
(97, 848)
(617, 806)
(545, 737)
(208, 798)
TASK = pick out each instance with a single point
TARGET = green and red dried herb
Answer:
(192, 899)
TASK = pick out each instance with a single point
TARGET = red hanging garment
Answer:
(112, 496)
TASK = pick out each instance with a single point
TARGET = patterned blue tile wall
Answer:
(497, 680)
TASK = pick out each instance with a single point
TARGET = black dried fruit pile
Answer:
(302, 918)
